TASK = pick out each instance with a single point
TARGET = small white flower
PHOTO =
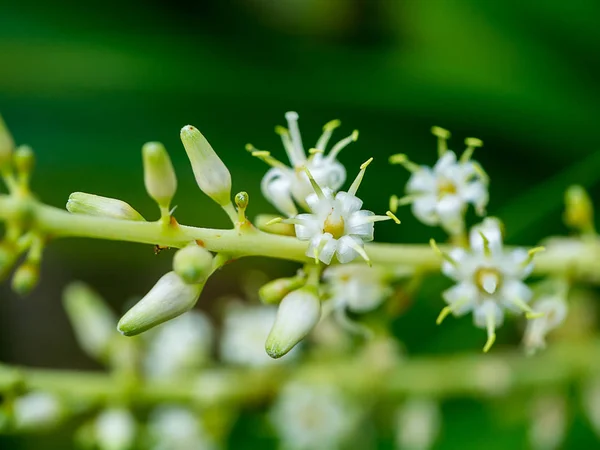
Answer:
(548, 422)
(418, 424)
(488, 279)
(173, 427)
(336, 225)
(440, 195)
(245, 330)
(179, 347)
(285, 186)
(554, 310)
(115, 429)
(37, 410)
(308, 417)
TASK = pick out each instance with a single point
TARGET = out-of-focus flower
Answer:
(173, 427)
(179, 347)
(37, 410)
(554, 311)
(591, 404)
(440, 195)
(245, 330)
(285, 186)
(308, 417)
(115, 429)
(418, 424)
(488, 279)
(548, 422)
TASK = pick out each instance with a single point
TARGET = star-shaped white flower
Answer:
(336, 225)
(440, 194)
(489, 279)
(284, 186)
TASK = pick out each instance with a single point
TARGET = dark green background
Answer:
(87, 84)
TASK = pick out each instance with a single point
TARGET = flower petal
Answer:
(424, 209)
(421, 181)
(275, 187)
(345, 252)
(359, 225)
(450, 211)
(462, 297)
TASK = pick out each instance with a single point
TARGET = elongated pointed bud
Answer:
(7, 145)
(274, 291)
(24, 159)
(193, 264)
(579, 210)
(297, 315)
(211, 173)
(91, 319)
(169, 298)
(25, 278)
(159, 175)
(96, 205)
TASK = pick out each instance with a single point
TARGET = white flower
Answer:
(440, 195)
(548, 422)
(176, 428)
(488, 279)
(115, 429)
(336, 225)
(285, 186)
(308, 417)
(418, 424)
(554, 310)
(245, 330)
(179, 347)
(37, 410)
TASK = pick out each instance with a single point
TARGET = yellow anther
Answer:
(392, 216)
(534, 315)
(401, 158)
(534, 250)
(274, 221)
(261, 153)
(281, 131)
(354, 135)
(332, 125)
(314, 151)
(444, 255)
(443, 314)
(472, 144)
(442, 135)
(364, 165)
(394, 203)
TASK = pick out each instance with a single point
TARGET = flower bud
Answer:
(7, 145)
(96, 205)
(25, 278)
(92, 320)
(265, 222)
(169, 298)
(193, 264)
(211, 174)
(579, 211)
(159, 175)
(24, 159)
(274, 291)
(297, 315)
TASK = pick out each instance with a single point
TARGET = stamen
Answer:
(288, 145)
(444, 255)
(337, 148)
(392, 216)
(472, 144)
(401, 158)
(327, 132)
(487, 251)
(274, 221)
(529, 313)
(491, 332)
(531, 254)
(394, 203)
(443, 136)
(264, 156)
(314, 184)
(361, 251)
(356, 183)
(483, 176)
(443, 314)
(313, 152)
(292, 120)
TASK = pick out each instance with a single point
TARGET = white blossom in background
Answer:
(548, 422)
(336, 225)
(115, 429)
(440, 194)
(308, 417)
(179, 347)
(489, 279)
(285, 186)
(591, 404)
(554, 310)
(418, 424)
(245, 330)
(37, 410)
(173, 427)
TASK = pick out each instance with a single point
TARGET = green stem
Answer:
(55, 223)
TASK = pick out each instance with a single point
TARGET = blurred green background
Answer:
(87, 83)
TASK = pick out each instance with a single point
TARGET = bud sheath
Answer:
(159, 175)
(193, 264)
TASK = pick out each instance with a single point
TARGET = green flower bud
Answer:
(579, 210)
(96, 205)
(211, 174)
(274, 291)
(298, 313)
(25, 278)
(8, 256)
(265, 222)
(7, 145)
(193, 264)
(91, 319)
(24, 159)
(170, 297)
(159, 175)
